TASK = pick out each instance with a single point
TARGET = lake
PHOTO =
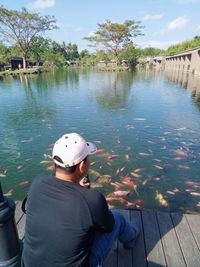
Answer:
(146, 126)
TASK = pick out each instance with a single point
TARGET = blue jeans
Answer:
(123, 230)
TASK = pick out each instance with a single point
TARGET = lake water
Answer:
(146, 126)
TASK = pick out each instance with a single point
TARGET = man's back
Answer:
(60, 224)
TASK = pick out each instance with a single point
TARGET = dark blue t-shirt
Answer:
(61, 220)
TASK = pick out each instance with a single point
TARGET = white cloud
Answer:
(178, 23)
(153, 17)
(42, 4)
(156, 44)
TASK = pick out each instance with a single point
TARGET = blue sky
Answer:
(166, 21)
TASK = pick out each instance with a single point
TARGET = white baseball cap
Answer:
(72, 149)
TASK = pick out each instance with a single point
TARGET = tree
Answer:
(115, 36)
(40, 46)
(19, 27)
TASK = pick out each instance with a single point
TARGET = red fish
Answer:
(113, 156)
(158, 167)
(100, 150)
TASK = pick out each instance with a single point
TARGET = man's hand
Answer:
(85, 183)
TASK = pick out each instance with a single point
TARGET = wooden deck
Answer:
(166, 239)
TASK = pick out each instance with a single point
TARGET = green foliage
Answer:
(130, 53)
(19, 27)
(40, 47)
(151, 51)
(115, 36)
(173, 49)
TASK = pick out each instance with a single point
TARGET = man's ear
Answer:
(82, 166)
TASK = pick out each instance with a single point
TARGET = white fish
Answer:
(121, 193)
(195, 194)
(139, 119)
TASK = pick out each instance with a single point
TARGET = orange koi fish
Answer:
(113, 156)
(158, 167)
(100, 150)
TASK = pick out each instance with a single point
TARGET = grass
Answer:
(21, 71)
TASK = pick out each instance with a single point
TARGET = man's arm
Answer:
(102, 217)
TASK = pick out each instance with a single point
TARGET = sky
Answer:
(166, 22)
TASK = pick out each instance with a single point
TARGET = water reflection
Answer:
(111, 90)
(186, 80)
(23, 113)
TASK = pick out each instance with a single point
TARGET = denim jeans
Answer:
(103, 242)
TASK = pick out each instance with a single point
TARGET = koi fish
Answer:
(191, 183)
(127, 157)
(95, 173)
(162, 138)
(183, 167)
(129, 182)
(181, 129)
(100, 150)
(97, 141)
(151, 142)
(21, 166)
(144, 154)
(177, 158)
(158, 160)
(117, 185)
(161, 199)
(139, 170)
(158, 167)
(2, 175)
(117, 171)
(45, 162)
(9, 193)
(167, 132)
(181, 152)
(136, 175)
(115, 198)
(113, 156)
(195, 194)
(121, 193)
(170, 192)
(139, 119)
(25, 183)
(92, 163)
(27, 141)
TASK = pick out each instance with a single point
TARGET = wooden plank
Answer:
(18, 211)
(154, 249)
(172, 250)
(194, 223)
(139, 256)
(187, 242)
(124, 255)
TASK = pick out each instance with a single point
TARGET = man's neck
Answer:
(66, 177)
